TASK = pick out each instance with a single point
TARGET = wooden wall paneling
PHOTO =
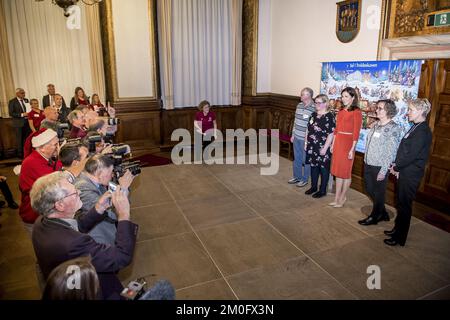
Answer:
(141, 130)
(435, 187)
(8, 143)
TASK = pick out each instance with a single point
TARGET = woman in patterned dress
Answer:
(319, 138)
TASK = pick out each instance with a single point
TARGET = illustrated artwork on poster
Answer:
(373, 80)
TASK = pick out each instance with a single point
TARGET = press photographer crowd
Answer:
(75, 186)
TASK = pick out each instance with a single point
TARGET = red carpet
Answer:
(149, 160)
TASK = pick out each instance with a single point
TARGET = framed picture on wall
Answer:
(348, 20)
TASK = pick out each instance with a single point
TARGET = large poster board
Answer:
(397, 80)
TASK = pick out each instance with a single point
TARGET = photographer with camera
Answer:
(78, 121)
(92, 183)
(73, 157)
(58, 237)
(51, 119)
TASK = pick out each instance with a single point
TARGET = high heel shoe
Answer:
(332, 204)
(340, 205)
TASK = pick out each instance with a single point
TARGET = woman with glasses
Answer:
(409, 167)
(348, 125)
(381, 147)
(319, 136)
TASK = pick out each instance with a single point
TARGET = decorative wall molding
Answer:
(109, 55)
(249, 47)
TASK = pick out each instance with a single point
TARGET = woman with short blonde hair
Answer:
(409, 168)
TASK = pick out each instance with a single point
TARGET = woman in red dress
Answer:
(35, 116)
(79, 98)
(348, 125)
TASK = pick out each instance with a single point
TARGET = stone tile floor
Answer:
(227, 232)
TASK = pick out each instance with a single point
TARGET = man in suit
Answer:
(49, 99)
(18, 111)
(92, 183)
(58, 237)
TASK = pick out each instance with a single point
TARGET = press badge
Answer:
(377, 134)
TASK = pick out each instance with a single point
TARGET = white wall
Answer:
(302, 35)
(131, 25)
(264, 46)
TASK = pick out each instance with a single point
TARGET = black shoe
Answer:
(310, 191)
(393, 242)
(2, 203)
(318, 195)
(389, 232)
(385, 217)
(13, 205)
(368, 221)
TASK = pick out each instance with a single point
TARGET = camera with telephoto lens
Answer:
(92, 141)
(60, 130)
(108, 138)
(119, 149)
(112, 121)
(134, 290)
(133, 166)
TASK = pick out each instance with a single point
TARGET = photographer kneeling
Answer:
(58, 237)
(92, 183)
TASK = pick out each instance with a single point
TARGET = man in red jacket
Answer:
(40, 162)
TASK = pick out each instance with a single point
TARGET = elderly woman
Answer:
(319, 136)
(409, 167)
(381, 147)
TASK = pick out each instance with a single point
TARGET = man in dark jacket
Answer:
(49, 99)
(18, 111)
(58, 237)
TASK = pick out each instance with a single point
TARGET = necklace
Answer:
(411, 130)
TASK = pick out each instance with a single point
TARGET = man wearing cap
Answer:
(40, 162)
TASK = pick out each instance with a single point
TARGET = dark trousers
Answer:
(6, 192)
(375, 189)
(22, 134)
(407, 188)
(324, 174)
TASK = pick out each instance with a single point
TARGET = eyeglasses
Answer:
(77, 192)
(319, 102)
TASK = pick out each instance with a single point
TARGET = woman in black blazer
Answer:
(409, 167)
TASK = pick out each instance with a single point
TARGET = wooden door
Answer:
(435, 188)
